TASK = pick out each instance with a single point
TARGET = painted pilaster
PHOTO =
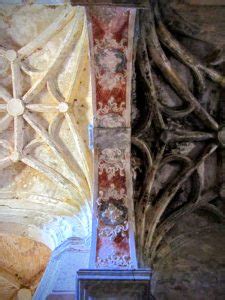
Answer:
(111, 44)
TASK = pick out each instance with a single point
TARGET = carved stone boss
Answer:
(111, 43)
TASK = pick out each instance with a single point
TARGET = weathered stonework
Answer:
(22, 262)
(113, 209)
(45, 109)
(111, 39)
(178, 141)
(178, 155)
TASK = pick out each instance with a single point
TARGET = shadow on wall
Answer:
(192, 267)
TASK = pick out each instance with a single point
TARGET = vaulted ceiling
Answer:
(22, 262)
(45, 109)
(178, 139)
(178, 147)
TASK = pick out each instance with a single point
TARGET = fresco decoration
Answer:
(113, 247)
(111, 40)
(112, 59)
(111, 161)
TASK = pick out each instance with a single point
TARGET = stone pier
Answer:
(113, 272)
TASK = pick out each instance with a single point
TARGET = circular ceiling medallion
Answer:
(15, 156)
(63, 107)
(15, 107)
(11, 55)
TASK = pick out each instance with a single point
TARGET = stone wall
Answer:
(192, 264)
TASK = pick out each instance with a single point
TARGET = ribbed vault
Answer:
(178, 147)
(45, 109)
(178, 140)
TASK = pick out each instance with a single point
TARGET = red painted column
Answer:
(111, 42)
